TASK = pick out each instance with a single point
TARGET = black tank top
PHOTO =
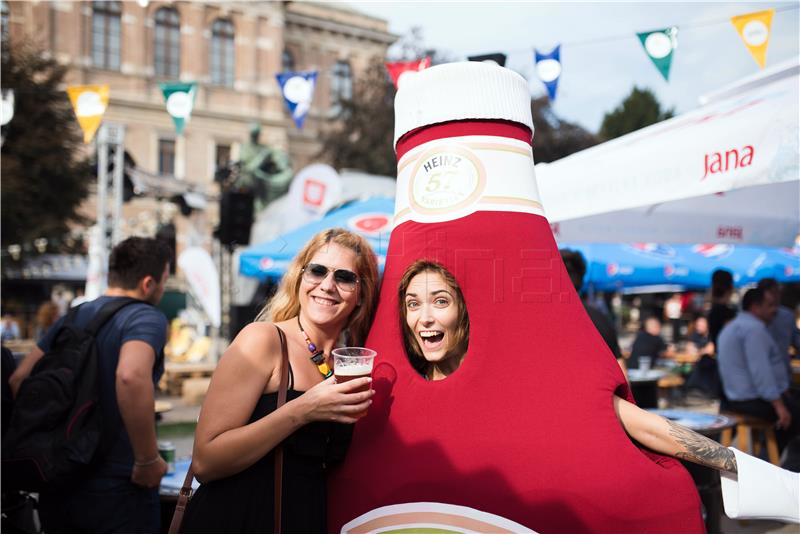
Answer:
(245, 502)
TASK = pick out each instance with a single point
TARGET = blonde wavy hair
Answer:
(285, 304)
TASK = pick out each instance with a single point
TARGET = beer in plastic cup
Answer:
(350, 363)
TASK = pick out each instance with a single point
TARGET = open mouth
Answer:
(431, 338)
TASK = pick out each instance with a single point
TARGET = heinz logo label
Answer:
(445, 179)
(719, 162)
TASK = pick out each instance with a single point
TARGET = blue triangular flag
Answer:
(548, 67)
(298, 91)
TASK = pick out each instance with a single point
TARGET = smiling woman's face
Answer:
(431, 314)
(326, 303)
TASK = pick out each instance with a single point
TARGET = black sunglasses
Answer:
(315, 273)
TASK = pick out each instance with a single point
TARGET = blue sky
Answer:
(599, 73)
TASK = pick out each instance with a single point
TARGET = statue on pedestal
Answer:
(264, 170)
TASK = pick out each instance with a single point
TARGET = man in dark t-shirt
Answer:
(721, 311)
(648, 342)
(120, 493)
(576, 268)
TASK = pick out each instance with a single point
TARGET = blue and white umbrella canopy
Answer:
(613, 267)
(372, 218)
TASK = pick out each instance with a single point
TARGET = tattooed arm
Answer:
(666, 437)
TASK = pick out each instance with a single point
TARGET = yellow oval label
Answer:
(446, 179)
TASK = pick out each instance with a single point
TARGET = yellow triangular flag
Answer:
(754, 30)
(89, 103)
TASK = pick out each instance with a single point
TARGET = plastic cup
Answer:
(644, 364)
(350, 363)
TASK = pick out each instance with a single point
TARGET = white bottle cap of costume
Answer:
(458, 91)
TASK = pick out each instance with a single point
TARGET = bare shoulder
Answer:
(257, 342)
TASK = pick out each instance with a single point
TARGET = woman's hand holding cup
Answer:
(337, 402)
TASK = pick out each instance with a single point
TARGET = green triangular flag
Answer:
(179, 98)
(659, 45)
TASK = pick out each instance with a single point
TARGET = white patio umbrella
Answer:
(727, 172)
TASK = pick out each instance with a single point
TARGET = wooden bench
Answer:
(746, 427)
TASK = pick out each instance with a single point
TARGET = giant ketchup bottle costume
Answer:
(525, 428)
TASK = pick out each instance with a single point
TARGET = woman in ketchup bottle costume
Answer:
(524, 435)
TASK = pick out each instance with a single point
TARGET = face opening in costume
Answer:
(433, 319)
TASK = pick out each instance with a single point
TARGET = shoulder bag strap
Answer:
(183, 500)
(282, 389)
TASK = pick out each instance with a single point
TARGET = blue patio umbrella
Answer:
(372, 218)
(614, 267)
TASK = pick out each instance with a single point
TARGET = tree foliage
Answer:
(639, 109)
(45, 178)
(364, 138)
(553, 137)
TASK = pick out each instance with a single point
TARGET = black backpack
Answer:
(56, 428)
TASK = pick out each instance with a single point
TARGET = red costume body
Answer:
(525, 428)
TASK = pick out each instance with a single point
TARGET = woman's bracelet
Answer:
(149, 462)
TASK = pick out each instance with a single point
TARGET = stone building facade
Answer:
(232, 49)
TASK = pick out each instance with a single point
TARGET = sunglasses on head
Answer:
(315, 273)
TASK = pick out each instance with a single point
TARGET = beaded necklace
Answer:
(317, 356)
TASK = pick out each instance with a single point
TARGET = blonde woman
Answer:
(329, 290)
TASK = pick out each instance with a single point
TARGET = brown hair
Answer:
(460, 336)
(285, 304)
(136, 257)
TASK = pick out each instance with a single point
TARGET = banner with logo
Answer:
(90, 103)
(754, 30)
(179, 98)
(201, 273)
(399, 69)
(548, 67)
(7, 109)
(659, 46)
(298, 92)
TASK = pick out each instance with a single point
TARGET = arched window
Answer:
(222, 53)
(5, 14)
(287, 60)
(168, 43)
(106, 17)
(341, 83)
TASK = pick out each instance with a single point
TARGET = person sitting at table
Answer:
(648, 342)
(435, 329)
(755, 377)
(329, 289)
(704, 376)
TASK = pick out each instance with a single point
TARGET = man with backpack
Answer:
(118, 491)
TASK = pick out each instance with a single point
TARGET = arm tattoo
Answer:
(702, 450)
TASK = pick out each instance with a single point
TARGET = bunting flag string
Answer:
(548, 67)
(754, 30)
(298, 92)
(179, 99)
(89, 103)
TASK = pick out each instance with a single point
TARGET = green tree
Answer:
(553, 137)
(364, 137)
(639, 109)
(45, 175)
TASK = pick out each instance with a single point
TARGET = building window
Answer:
(287, 61)
(106, 17)
(341, 83)
(168, 43)
(5, 14)
(223, 156)
(166, 157)
(222, 53)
